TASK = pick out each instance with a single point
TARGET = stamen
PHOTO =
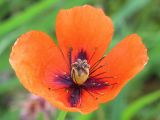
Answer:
(98, 74)
(70, 57)
(63, 79)
(96, 63)
(90, 93)
(113, 84)
(92, 56)
(98, 93)
(67, 90)
(93, 91)
(63, 55)
(105, 77)
(60, 88)
(82, 54)
(93, 70)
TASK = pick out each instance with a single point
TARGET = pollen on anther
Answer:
(106, 83)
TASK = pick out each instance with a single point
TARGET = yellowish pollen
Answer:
(80, 71)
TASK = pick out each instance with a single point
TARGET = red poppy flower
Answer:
(75, 75)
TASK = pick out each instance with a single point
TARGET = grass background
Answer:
(139, 100)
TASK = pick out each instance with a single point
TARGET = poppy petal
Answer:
(123, 62)
(34, 58)
(84, 29)
(88, 103)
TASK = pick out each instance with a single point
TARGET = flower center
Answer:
(80, 71)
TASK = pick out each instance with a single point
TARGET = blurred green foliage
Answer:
(139, 100)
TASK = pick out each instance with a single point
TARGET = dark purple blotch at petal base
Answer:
(75, 91)
(82, 54)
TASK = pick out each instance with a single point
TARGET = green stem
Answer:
(62, 115)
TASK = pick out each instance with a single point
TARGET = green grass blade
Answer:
(128, 9)
(139, 104)
(84, 117)
(25, 16)
(62, 115)
(11, 37)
